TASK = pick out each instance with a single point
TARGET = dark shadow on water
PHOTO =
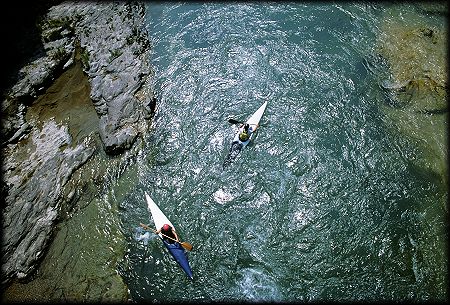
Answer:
(235, 149)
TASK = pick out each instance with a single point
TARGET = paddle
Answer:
(233, 121)
(184, 244)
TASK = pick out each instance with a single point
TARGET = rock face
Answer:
(115, 48)
(35, 194)
(41, 154)
(114, 52)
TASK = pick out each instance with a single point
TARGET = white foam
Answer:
(221, 196)
(257, 285)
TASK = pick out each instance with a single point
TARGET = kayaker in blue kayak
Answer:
(168, 231)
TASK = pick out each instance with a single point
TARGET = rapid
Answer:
(326, 204)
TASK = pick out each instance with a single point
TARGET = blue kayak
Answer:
(179, 254)
(176, 249)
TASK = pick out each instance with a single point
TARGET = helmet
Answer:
(166, 227)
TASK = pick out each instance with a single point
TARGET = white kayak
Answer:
(237, 145)
(253, 121)
(175, 249)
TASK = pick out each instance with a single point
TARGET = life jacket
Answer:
(168, 233)
(243, 136)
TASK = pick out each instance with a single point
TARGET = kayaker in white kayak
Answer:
(246, 132)
(167, 230)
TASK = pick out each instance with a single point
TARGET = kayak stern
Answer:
(180, 256)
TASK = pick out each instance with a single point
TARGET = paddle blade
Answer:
(186, 245)
(233, 121)
(144, 226)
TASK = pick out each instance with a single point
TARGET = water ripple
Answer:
(324, 205)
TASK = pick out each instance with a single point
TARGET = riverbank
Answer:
(69, 123)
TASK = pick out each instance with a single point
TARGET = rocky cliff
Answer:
(44, 144)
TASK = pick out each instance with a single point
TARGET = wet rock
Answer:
(115, 47)
(41, 155)
(114, 52)
(34, 79)
(21, 41)
(35, 188)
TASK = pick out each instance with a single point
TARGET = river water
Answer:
(326, 204)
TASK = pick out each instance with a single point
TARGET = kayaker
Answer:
(170, 232)
(245, 134)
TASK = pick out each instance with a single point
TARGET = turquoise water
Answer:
(323, 205)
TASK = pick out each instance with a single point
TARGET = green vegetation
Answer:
(51, 28)
(58, 54)
(84, 56)
(114, 54)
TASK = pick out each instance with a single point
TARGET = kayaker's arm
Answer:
(175, 234)
(150, 229)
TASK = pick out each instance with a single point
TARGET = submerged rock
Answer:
(415, 51)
